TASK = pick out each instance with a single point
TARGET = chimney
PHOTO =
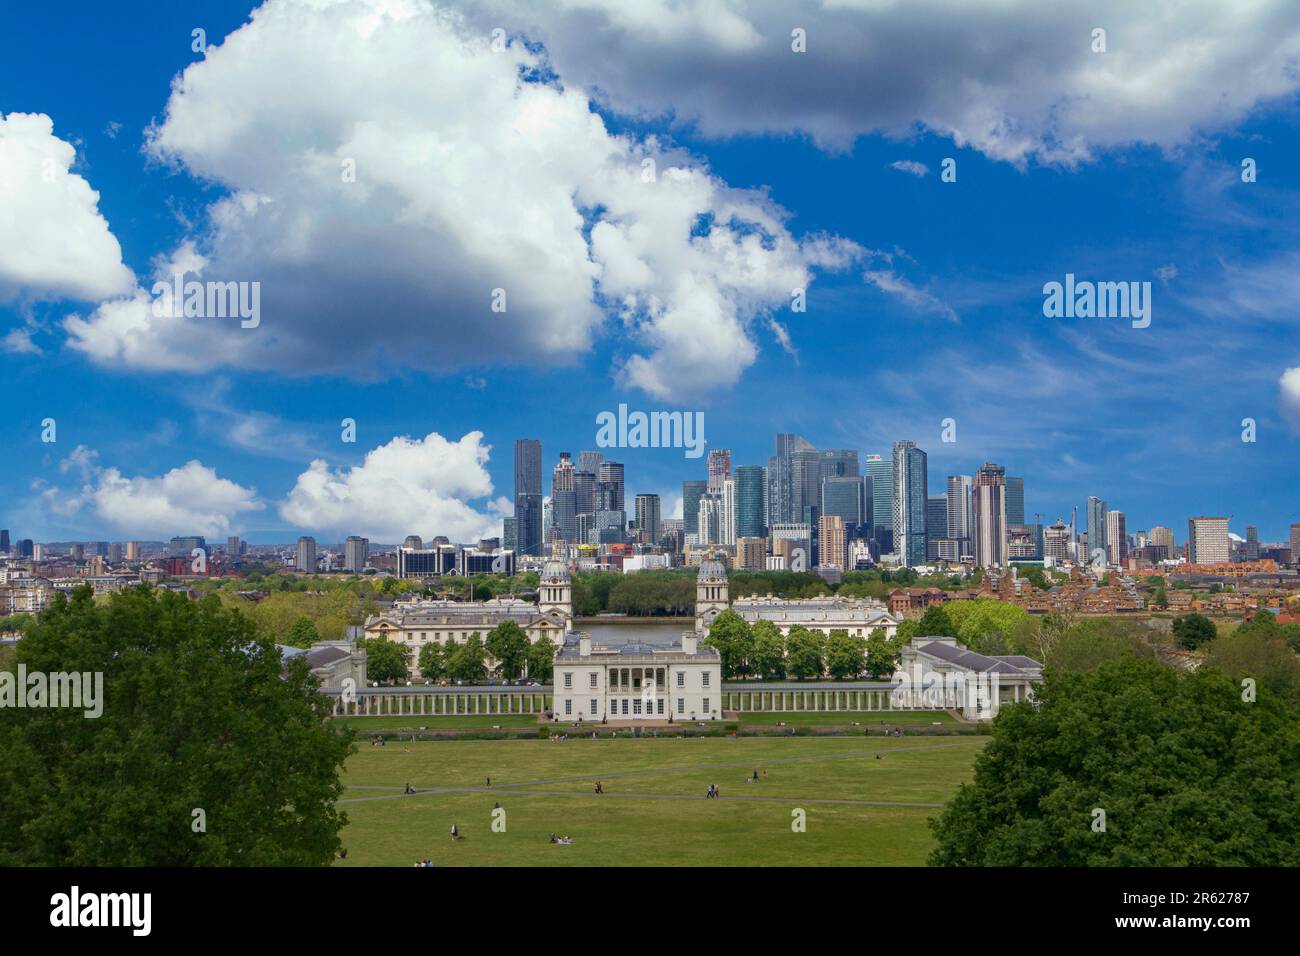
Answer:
(584, 644)
(689, 641)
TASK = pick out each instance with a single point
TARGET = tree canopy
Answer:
(1186, 772)
(199, 713)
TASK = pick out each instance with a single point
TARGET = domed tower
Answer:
(555, 592)
(711, 594)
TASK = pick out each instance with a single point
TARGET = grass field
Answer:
(845, 719)
(653, 812)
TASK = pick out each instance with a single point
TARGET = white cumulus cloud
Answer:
(419, 486)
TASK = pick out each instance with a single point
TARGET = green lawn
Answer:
(841, 719)
(653, 812)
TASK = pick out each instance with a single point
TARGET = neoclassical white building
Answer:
(416, 623)
(858, 616)
(637, 682)
(937, 672)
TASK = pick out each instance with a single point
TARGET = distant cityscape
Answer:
(823, 511)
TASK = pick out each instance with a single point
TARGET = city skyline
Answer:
(208, 424)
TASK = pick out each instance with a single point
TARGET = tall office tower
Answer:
(1295, 543)
(609, 486)
(709, 521)
(1116, 539)
(99, 548)
(783, 506)
(38, 552)
(960, 517)
(589, 461)
(1252, 543)
(910, 495)
(1160, 536)
(1015, 501)
(1207, 540)
(648, 517)
(528, 496)
(584, 491)
(832, 542)
(510, 534)
(751, 553)
(356, 551)
(719, 469)
(182, 546)
(26, 547)
(846, 498)
(936, 524)
(115, 552)
(564, 498)
(751, 520)
(838, 463)
(727, 517)
(692, 492)
(133, 550)
(4, 541)
(805, 485)
(1096, 518)
(990, 496)
(234, 547)
(548, 524)
(306, 554)
(1056, 542)
(881, 473)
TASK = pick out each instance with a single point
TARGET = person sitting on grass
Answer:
(455, 834)
(599, 788)
(410, 789)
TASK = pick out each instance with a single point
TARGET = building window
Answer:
(568, 679)
(568, 707)
(659, 706)
(681, 678)
(681, 705)
(705, 675)
(593, 678)
(706, 705)
(594, 707)
(636, 706)
(625, 705)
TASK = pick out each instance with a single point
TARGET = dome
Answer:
(712, 568)
(555, 571)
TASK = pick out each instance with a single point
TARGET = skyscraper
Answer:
(1015, 501)
(832, 550)
(1295, 543)
(355, 552)
(692, 492)
(4, 541)
(647, 517)
(961, 513)
(989, 491)
(727, 517)
(910, 499)
(841, 463)
(1096, 518)
(847, 498)
(784, 501)
(1116, 539)
(750, 518)
(1056, 542)
(609, 486)
(1252, 543)
(564, 498)
(528, 495)
(881, 473)
(719, 464)
(936, 524)
(306, 554)
(1162, 537)
(589, 461)
(1207, 540)
(584, 491)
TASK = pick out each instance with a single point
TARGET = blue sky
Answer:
(925, 304)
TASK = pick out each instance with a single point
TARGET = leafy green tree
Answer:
(432, 661)
(731, 635)
(385, 660)
(1263, 654)
(303, 633)
(845, 655)
(541, 659)
(467, 660)
(198, 711)
(1089, 644)
(1186, 772)
(935, 623)
(805, 653)
(768, 657)
(508, 644)
(1193, 630)
(980, 618)
(882, 654)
